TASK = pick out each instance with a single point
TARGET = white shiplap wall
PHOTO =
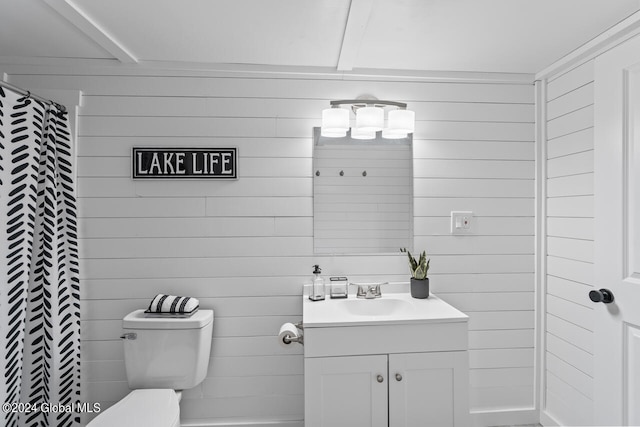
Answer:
(245, 247)
(569, 185)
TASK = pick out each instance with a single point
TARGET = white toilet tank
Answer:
(167, 352)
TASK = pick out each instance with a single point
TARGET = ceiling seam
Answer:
(91, 29)
(357, 20)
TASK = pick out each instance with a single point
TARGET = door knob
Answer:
(398, 377)
(603, 295)
(380, 378)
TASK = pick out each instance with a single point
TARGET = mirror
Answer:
(362, 195)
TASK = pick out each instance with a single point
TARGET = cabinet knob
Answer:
(380, 378)
(398, 377)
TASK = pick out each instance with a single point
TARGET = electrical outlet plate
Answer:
(461, 222)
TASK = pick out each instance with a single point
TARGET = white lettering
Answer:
(140, 170)
(213, 160)
(155, 163)
(226, 161)
(194, 162)
(167, 163)
(180, 164)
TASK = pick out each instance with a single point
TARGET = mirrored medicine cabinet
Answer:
(362, 194)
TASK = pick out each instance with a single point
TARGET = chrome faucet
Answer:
(369, 290)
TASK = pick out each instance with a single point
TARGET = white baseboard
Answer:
(244, 423)
(480, 419)
(505, 417)
(547, 420)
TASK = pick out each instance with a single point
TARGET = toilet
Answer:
(163, 356)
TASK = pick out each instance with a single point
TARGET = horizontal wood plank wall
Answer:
(245, 247)
(569, 319)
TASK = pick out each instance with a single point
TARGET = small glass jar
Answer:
(339, 287)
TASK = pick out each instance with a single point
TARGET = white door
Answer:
(346, 391)
(617, 238)
(429, 389)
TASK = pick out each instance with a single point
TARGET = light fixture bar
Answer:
(366, 102)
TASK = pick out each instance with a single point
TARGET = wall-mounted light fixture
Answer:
(369, 114)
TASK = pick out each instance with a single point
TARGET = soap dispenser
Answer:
(317, 289)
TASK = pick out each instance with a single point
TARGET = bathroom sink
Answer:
(375, 307)
(391, 308)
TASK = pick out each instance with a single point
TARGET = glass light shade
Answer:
(362, 134)
(370, 119)
(392, 134)
(333, 133)
(402, 121)
(335, 120)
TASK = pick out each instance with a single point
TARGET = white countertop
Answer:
(391, 308)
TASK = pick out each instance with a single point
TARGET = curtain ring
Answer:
(62, 110)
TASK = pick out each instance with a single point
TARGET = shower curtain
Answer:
(39, 283)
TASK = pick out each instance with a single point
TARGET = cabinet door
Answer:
(429, 389)
(346, 391)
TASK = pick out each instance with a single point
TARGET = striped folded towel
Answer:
(173, 304)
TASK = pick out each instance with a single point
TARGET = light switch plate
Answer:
(461, 222)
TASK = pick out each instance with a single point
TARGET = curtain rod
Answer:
(28, 94)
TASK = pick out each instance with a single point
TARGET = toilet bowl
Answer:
(142, 408)
(162, 355)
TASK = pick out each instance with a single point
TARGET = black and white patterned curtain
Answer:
(39, 276)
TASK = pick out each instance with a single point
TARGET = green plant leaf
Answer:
(420, 268)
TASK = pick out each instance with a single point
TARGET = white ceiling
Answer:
(515, 36)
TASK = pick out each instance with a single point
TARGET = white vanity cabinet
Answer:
(388, 372)
(345, 391)
(428, 389)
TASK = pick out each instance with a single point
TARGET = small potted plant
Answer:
(419, 270)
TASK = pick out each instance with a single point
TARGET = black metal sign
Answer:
(163, 162)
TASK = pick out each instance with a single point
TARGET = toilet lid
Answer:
(142, 408)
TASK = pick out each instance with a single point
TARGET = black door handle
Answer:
(603, 295)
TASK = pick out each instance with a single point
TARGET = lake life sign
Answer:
(180, 163)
